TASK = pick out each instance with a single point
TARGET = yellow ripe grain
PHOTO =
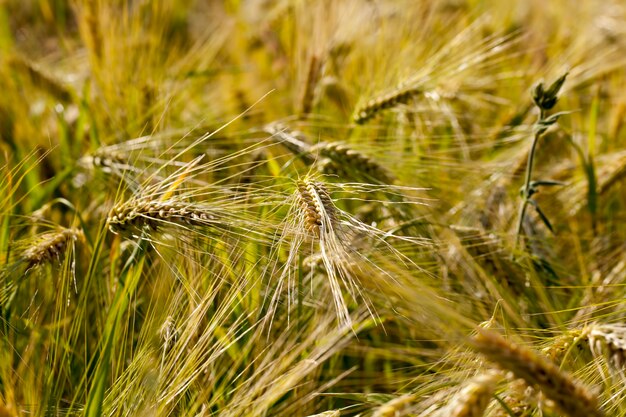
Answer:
(49, 246)
(395, 407)
(474, 398)
(569, 395)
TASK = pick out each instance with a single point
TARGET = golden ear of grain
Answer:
(382, 102)
(312, 219)
(519, 398)
(609, 339)
(51, 245)
(474, 398)
(568, 394)
(102, 159)
(147, 214)
(318, 209)
(562, 343)
(395, 407)
(339, 158)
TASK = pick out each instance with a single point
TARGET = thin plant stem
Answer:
(529, 170)
(300, 291)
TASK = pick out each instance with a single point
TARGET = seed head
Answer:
(317, 207)
(568, 394)
(49, 246)
(148, 214)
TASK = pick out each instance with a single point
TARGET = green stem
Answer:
(529, 171)
(300, 292)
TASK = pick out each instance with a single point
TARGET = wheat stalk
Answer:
(319, 217)
(313, 217)
(106, 160)
(568, 394)
(348, 253)
(144, 158)
(90, 26)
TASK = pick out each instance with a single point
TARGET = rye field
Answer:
(299, 208)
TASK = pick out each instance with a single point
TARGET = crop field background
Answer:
(375, 208)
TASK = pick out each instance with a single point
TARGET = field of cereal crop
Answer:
(373, 208)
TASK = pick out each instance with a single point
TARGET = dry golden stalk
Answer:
(318, 209)
(382, 102)
(312, 78)
(568, 394)
(148, 214)
(90, 26)
(50, 245)
(474, 398)
(609, 339)
(396, 407)
(340, 159)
